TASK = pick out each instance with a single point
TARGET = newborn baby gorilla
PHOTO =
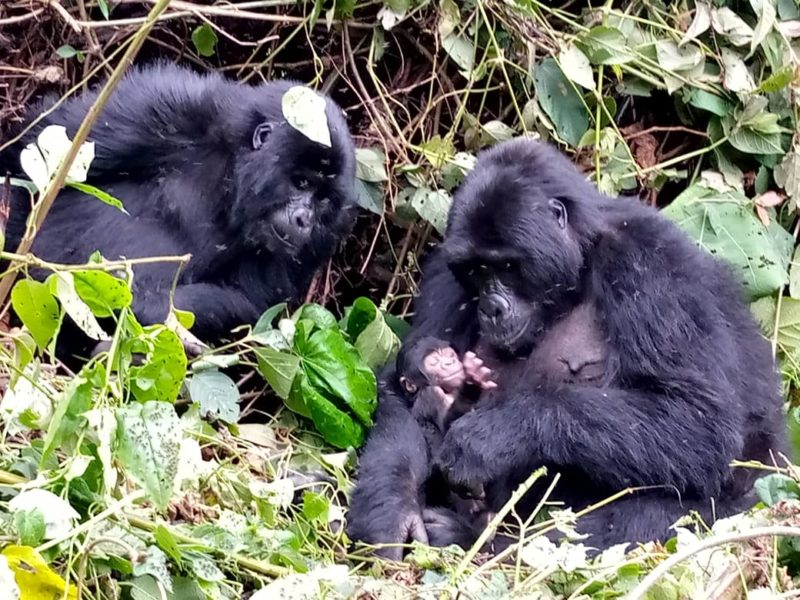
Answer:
(439, 385)
(203, 166)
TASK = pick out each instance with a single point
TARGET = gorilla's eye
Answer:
(261, 134)
(300, 182)
(560, 211)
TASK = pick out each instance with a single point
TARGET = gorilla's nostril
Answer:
(301, 218)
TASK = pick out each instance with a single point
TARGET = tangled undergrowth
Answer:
(191, 480)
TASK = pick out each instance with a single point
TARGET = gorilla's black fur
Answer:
(688, 385)
(208, 167)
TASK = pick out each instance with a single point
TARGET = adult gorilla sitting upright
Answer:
(677, 383)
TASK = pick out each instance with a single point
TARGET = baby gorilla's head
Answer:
(430, 362)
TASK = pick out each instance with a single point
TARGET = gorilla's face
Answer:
(512, 241)
(293, 193)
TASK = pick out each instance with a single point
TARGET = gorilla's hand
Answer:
(446, 527)
(406, 526)
(467, 457)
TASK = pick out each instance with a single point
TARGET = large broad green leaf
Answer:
(37, 309)
(102, 292)
(361, 314)
(264, 322)
(433, 206)
(148, 445)
(319, 315)
(279, 368)
(604, 45)
(337, 427)
(331, 364)
(560, 101)
(725, 225)
(371, 165)
(217, 395)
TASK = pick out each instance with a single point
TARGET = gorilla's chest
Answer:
(572, 350)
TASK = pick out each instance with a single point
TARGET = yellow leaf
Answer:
(36, 580)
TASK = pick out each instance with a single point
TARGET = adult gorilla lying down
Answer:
(204, 166)
(624, 356)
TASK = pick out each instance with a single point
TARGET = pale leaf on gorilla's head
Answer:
(41, 160)
(304, 110)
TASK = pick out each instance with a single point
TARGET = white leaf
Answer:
(57, 512)
(7, 581)
(103, 427)
(461, 50)
(371, 165)
(700, 23)
(278, 493)
(727, 23)
(304, 110)
(25, 397)
(41, 160)
(389, 18)
(34, 166)
(791, 29)
(191, 466)
(767, 15)
(576, 66)
(76, 308)
(77, 466)
(303, 586)
(736, 77)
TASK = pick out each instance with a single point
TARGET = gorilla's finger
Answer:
(191, 344)
(416, 529)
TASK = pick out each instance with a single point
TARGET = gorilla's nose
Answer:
(301, 218)
(494, 307)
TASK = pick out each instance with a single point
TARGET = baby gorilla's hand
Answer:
(477, 372)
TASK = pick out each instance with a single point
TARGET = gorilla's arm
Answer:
(668, 418)
(386, 505)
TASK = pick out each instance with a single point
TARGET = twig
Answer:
(640, 590)
(49, 195)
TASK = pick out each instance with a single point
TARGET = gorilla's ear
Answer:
(559, 210)
(260, 134)
(408, 386)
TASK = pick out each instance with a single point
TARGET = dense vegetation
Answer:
(172, 478)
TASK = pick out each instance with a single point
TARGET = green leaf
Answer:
(155, 565)
(369, 196)
(167, 542)
(336, 426)
(148, 445)
(461, 50)
(30, 526)
(605, 46)
(66, 51)
(767, 16)
(560, 101)
(62, 285)
(494, 132)
(777, 81)
(102, 292)
(438, 150)
(371, 165)
(104, 197)
(103, 6)
(751, 141)
(724, 224)
(315, 507)
(185, 318)
(37, 309)
(162, 373)
(304, 110)
(576, 66)
(787, 174)
(794, 275)
(278, 368)
(709, 102)
(777, 487)
(331, 364)
(205, 40)
(319, 315)
(68, 416)
(203, 567)
(217, 395)
(362, 313)
(433, 206)
(377, 344)
(736, 77)
(264, 322)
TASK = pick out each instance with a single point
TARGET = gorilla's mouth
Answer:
(455, 378)
(284, 238)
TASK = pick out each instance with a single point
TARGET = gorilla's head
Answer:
(291, 192)
(518, 233)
